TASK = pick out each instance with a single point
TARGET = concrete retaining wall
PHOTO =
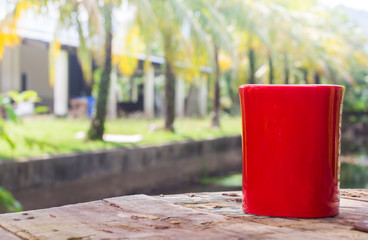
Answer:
(77, 177)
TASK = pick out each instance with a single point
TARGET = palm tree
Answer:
(213, 20)
(317, 57)
(168, 18)
(97, 127)
(96, 43)
(90, 42)
(246, 17)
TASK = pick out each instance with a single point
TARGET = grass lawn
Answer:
(48, 135)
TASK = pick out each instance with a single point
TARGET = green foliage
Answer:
(352, 176)
(356, 96)
(4, 135)
(41, 109)
(228, 181)
(5, 104)
(8, 202)
(26, 96)
(41, 144)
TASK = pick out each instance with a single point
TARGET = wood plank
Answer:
(183, 216)
(7, 235)
(229, 204)
(355, 194)
(133, 217)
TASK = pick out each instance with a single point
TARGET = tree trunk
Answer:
(169, 97)
(252, 66)
(216, 103)
(305, 75)
(132, 87)
(97, 127)
(286, 69)
(270, 65)
(317, 78)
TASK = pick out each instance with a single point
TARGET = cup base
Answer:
(293, 216)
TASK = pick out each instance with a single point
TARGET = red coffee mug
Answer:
(291, 149)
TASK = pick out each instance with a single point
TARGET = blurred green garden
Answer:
(32, 139)
(74, 71)
(209, 46)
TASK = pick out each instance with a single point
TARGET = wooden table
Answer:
(185, 216)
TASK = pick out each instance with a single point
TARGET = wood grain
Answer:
(183, 216)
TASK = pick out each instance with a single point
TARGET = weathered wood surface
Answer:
(184, 216)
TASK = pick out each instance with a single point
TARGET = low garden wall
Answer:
(78, 177)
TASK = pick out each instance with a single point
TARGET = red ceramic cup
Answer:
(291, 149)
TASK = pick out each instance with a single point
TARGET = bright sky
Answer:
(357, 4)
